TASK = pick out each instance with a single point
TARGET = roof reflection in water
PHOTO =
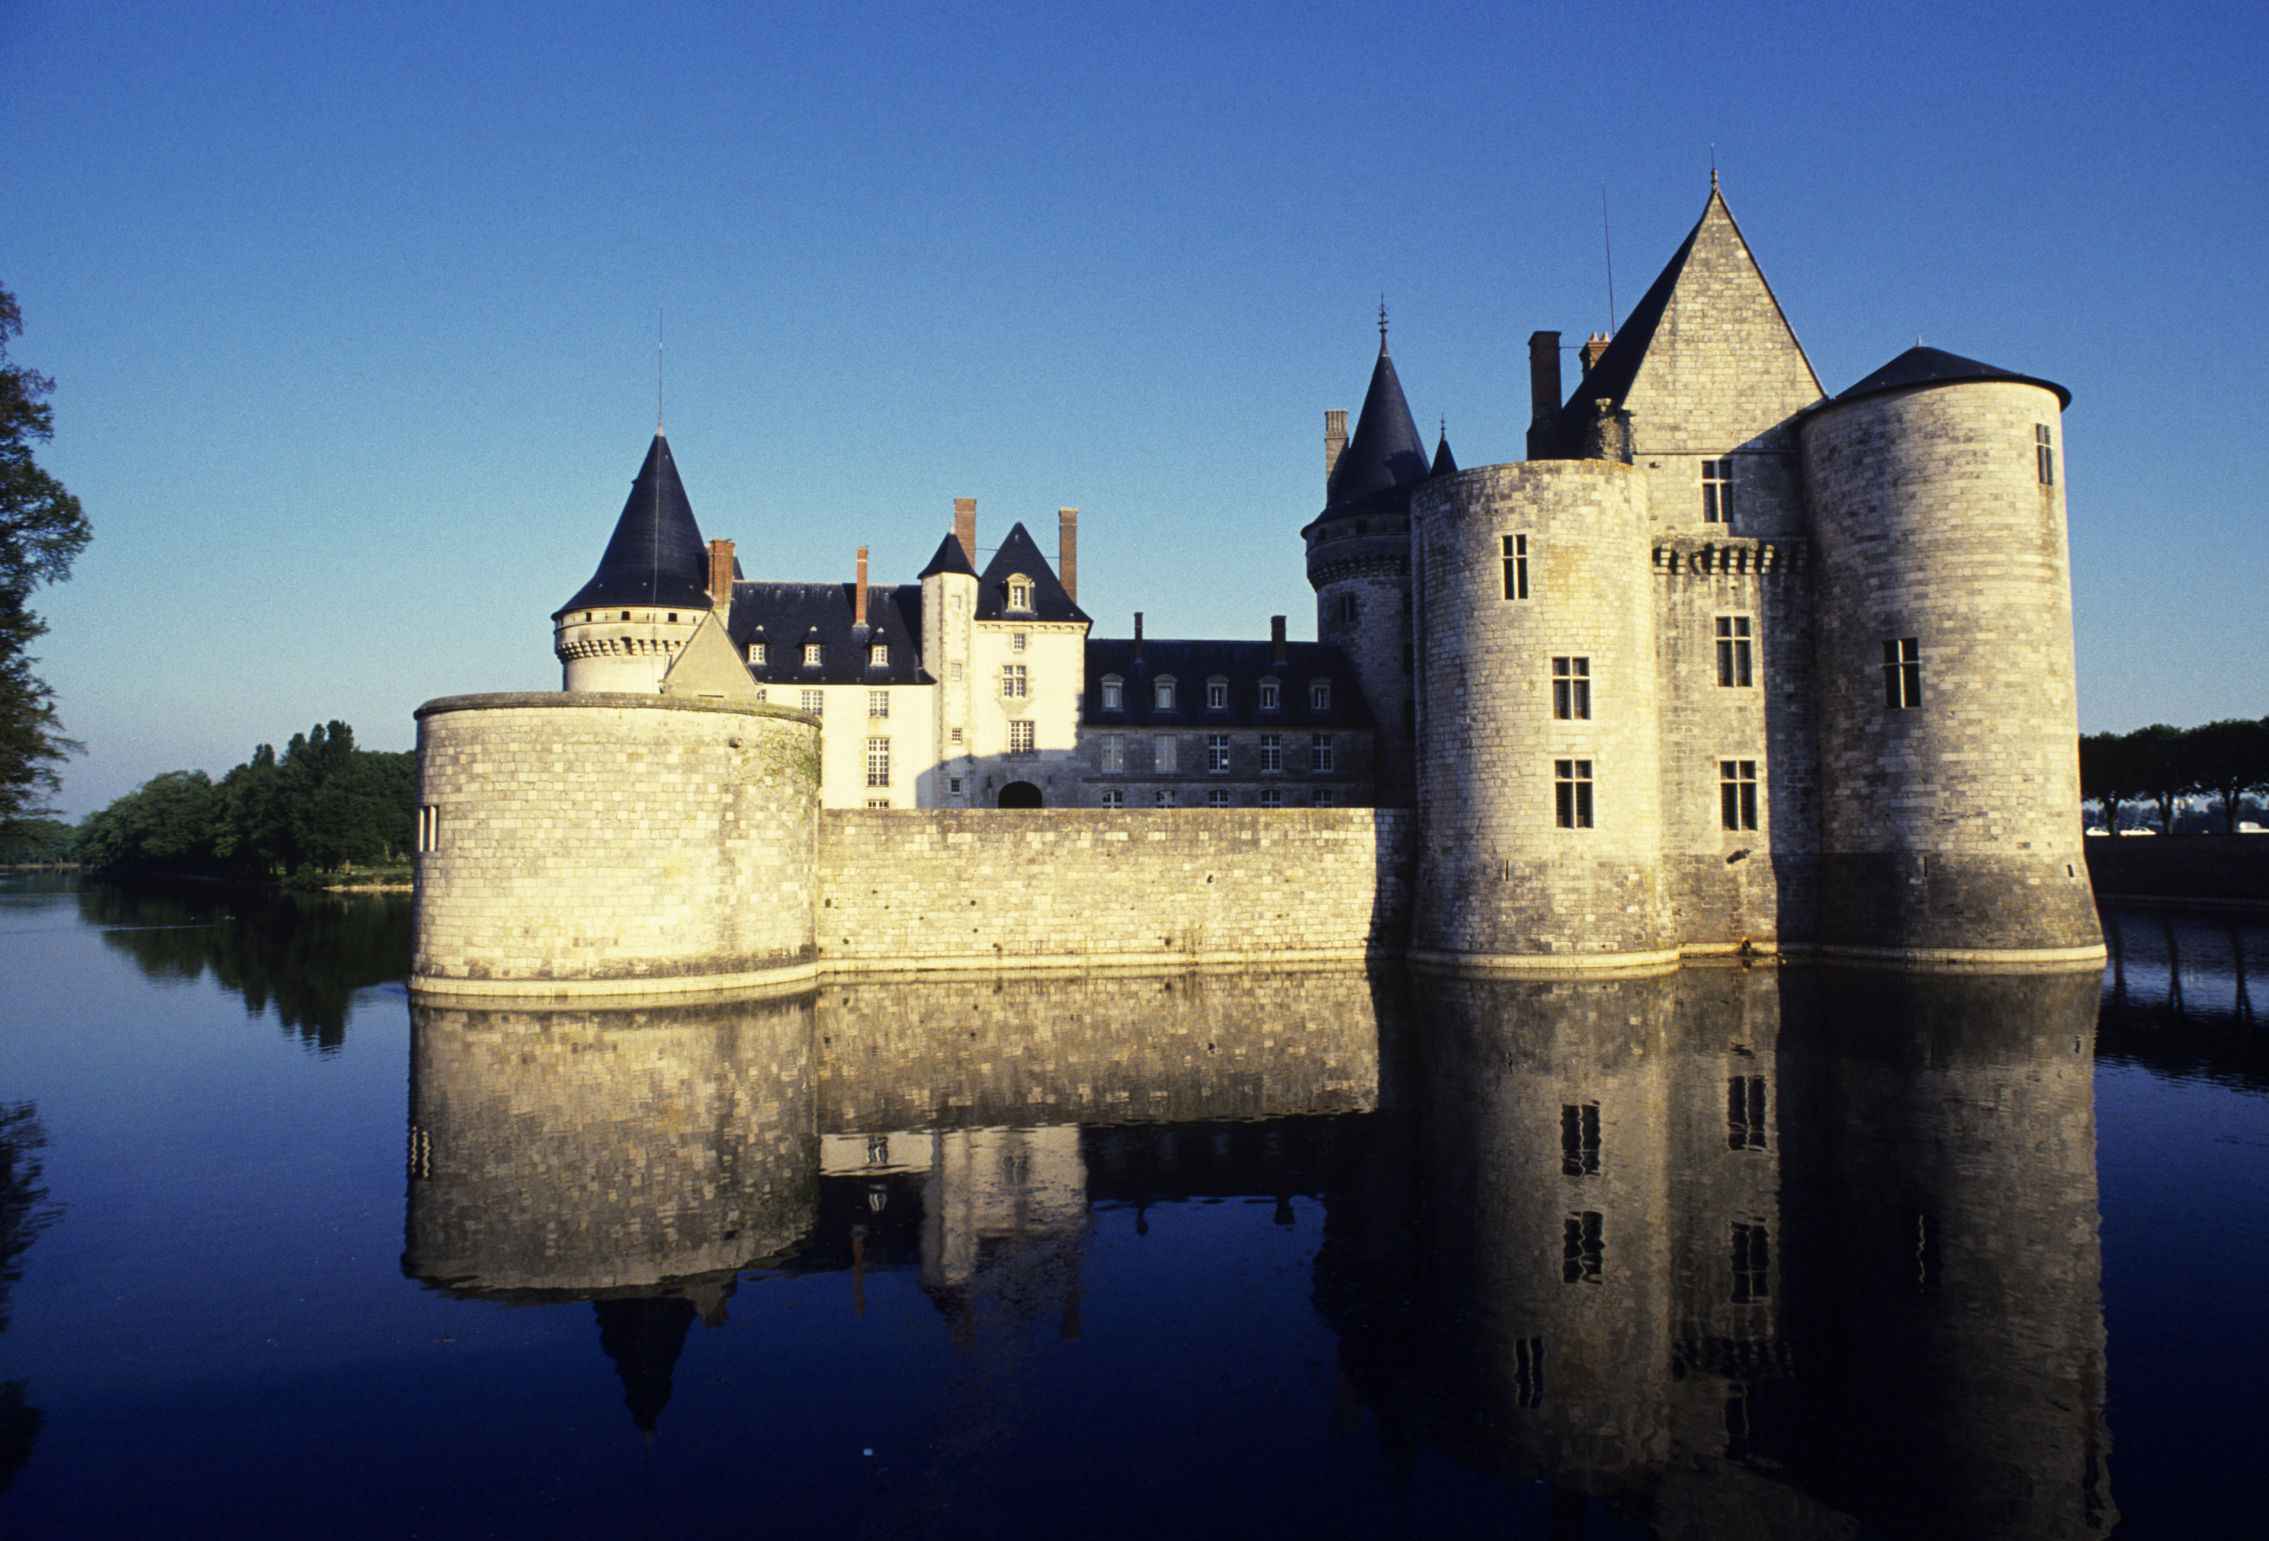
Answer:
(1788, 1251)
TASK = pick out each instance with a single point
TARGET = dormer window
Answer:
(1020, 593)
(1319, 695)
(815, 653)
(1162, 694)
(1271, 698)
(878, 656)
(756, 652)
(1217, 695)
(1114, 693)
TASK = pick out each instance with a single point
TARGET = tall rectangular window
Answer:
(1583, 1248)
(1752, 1263)
(1571, 689)
(1320, 756)
(1114, 694)
(429, 826)
(1902, 672)
(1579, 1139)
(1012, 681)
(815, 654)
(1571, 793)
(1167, 758)
(1020, 736)
(1016, 639)
(1346, 607)
(813, 700)
(756, 652)
(1717, 491)
(1272, 751)
(878, 762)
(1734, 667)
(878, 703)
(879, 655)
(1217, 695)
(2044, 454)
(1737, 794)
(1745, 1112)
(1114, 753)
(1515, 549)
(1268, 695)
(1217, 753)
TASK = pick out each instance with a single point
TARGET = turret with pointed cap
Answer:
(1386, 457)
(623, 628)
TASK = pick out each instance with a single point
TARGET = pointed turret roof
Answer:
(1934, 366)
(1386, 458)
(1019, 553)
(950, 559)
(1713, 295)
(1445, 463)
(657, 555)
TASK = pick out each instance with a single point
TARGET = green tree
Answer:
(2111, 773)
(164, 825)
(41, 531)
(2162, 774)
(2229, 759)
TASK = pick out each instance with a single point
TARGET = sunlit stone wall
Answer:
(586, 844)
(1172, 887)
(587, 1151)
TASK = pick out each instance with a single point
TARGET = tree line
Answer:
(321, 805)
(2158, 767)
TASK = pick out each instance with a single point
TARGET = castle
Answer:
(1725, 665)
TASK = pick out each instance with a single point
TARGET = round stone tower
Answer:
(1948, 722)
(623, 628)
(1539, 782)
(1359, 564)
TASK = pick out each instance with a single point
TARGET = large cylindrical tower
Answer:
(1948, 721)
(1540, 788)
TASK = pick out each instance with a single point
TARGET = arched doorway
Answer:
(1020, 794)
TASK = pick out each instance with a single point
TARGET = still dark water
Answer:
(1784, 1253)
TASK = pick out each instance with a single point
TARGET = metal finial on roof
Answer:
(1713, 166)
(1382, 323)
(657, 372)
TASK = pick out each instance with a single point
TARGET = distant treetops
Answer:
(2159, 765)
(321, 805)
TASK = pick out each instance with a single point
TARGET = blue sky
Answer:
(353, 310)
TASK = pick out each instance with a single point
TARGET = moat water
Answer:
(1766, 1253)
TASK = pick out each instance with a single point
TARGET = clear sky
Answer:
(353, 310)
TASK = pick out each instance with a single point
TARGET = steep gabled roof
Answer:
(1716, 258)
(1020, 554)
(950, 559)
(657, 556)
(1386, 458)
(1934, 366)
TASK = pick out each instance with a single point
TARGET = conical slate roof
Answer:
(1386, 458)
(1445, 463)
(1934, 366)
(950, 559)
(657, 555)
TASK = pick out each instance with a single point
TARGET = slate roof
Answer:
(1445, 463)
(1385, 459)
(786, 616)
(950, 559)
(1243, 664)
(657, 555)
(1019, 554)
(1933, 366)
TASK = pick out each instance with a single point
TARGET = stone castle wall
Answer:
(592, 843)
(1095, 887)
(1952, 825)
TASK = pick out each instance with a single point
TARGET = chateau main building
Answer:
(1726, 664)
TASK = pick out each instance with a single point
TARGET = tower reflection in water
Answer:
(1795, 1251)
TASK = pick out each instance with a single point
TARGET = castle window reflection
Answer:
(1583, 1250)
(1752, 1263)
(1579, 1139)
(1745, 1112)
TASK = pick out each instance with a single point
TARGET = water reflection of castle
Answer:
(1788, 1252)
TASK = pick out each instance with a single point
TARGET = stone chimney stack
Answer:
(859, 592)
(721, 573)
(965, 527)
(1276, 637)
(1335, 443)
(1067, 550)
(1138, 635)
(1594, 346)
(1544, 396)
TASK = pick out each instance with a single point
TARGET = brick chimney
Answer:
(721, 572)
(965, 527)
(1335, 442)
(1544, 396)
(1594, 346)
(859, 592)
(1276, 637)
(1067, 550)
(1138, 635)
